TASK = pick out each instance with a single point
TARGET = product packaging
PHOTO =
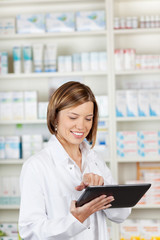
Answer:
(60, 22)
(90, 20)
(17, 59)
(27, 59)
(38, 57)
(30, 23)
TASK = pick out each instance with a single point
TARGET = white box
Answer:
(5, 106)
(149, 229)
(30, 105)
(5, 192)
(127, 135)
(121, 108)
(154, 96)
(102, 102)
(129, 228)
(17, 106)
(143, 103)
(90, 20)
(3, 63)
(7, 26)
(85, 61)
(2, 147)
(31, 144)
(60, 22)
(132, 103)
(15, 191)
(102, 61)
(119, 59)
(129, 59)
(94, 61)
(61, 64)
(12, 147)
(30, 23)
(76, 59)
(68, 64)
(42, 110)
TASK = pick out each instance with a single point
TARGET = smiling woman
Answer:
(52, 179)
(69, 96)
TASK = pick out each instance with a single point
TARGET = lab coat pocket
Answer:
(59, 206)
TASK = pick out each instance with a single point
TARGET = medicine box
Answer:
(5, 106)
(90, 20)
(121, 103)
(143, 103)
(17, 106)
(132, 103)
(30, 105)
(60, 22)
(7, 26)
(30, 23)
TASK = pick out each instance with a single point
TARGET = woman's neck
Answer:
(73, 151)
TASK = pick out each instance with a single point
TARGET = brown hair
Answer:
(69, 95)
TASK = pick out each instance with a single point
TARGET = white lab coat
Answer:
(47, 183)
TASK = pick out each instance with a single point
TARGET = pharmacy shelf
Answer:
(51, 35)
(12, 122)
(16, 207)
(137, 119)
(12, 161)
(9, 207)
(138, 159)
(137, 31)
(51, 75)
(155, 206)
(138, 72)
(30, 2)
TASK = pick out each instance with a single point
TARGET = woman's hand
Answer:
(83, 212)
(90, 179)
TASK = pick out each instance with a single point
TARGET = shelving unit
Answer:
(100, 82)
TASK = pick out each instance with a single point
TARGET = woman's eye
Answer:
(89, 119)
(73, 118)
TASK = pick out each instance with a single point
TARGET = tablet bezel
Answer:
(127, 195)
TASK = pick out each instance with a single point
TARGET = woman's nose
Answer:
(80, 124)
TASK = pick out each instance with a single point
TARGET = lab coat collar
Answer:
(58, 152)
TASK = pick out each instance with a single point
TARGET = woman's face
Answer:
(75, 123)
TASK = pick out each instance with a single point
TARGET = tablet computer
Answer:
(126, 195)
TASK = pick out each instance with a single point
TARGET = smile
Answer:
(78, 133)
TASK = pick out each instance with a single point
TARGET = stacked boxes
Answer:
(9, 192)
(54, 22)
(85, 61)
(134, 103)
(18, 105)
(3, 63)
(150, 172)
(148, 144)
(127, 144)
(9, 231)
(141, 143)
(144, 229)
(30, 105)
(10, 147)
(31, 144)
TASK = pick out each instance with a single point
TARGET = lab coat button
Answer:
(70, 168)
(88, 227)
